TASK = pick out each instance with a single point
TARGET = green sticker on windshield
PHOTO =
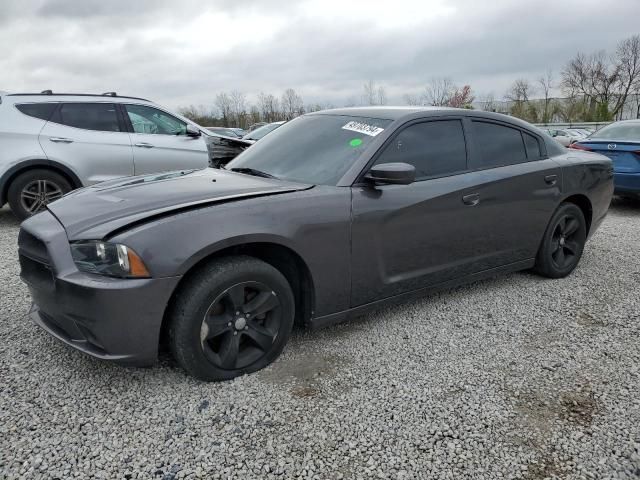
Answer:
(356, 142)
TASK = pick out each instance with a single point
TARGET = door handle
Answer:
(472, 199)
(60, 140)
(551, 179)
(143, 145)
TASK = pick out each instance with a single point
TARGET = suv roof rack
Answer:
(50, 93)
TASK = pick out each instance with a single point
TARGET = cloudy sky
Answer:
(184, 52)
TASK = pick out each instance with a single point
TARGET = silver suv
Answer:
(52, 143)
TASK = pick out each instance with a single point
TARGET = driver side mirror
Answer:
(391, 174)
(192, 131)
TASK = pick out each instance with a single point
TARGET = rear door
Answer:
(91, 139)
(517, 188)
(160, 142)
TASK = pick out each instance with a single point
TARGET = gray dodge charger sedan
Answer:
(333, 214)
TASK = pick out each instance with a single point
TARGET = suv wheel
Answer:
(232, 317)
(31, 191)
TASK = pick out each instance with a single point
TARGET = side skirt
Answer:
(327, 320)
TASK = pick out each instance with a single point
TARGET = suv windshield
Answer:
(316, 149)
(619, 131)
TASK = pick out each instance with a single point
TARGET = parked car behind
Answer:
(226, 131)
(620, 141)
(563, 137)
(52, 143)
(255, 135)
(331, 215)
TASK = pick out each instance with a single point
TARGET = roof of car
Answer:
(47, 94)
(395, 113)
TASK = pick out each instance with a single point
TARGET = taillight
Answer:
(577, 146)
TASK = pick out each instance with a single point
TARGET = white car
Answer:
(53, 143)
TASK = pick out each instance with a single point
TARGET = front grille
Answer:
(32, 247)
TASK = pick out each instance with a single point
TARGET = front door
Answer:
(160, 142)
(405, 237)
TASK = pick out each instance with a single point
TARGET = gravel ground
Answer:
(516, 377)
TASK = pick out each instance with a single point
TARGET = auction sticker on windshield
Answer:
(363, 128)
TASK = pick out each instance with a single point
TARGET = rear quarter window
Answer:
(532, 145)
(43, 111)
(497, 145)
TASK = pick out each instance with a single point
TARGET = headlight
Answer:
(111, 259)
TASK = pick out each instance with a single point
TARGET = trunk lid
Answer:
(624, 154)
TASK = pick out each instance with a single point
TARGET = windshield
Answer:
(258, 133)
(619, 131)
(316, 149)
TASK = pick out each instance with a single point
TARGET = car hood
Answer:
(95, 212)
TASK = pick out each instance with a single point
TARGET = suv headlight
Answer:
(110, 259)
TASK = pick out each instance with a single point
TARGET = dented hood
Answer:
(95, 212)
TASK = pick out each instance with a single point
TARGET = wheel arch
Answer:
(283, 258)
(584, 204)
(11, 174)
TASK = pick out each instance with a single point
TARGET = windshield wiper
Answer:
(252, 171)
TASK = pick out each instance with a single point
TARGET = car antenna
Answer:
(110, 94)
(47, 92)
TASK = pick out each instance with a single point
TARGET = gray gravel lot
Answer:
(516, 377)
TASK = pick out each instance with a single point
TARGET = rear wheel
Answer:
(233, 317)
(563, 242)
(30, 192)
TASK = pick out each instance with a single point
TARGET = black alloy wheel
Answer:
(241, 325)
(231, 316)
(563, 242)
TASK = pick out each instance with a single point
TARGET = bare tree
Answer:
(519, 94)
(546, 85)
(239, 108)
(605, 80)
(269, 107)
(374, 94)
(628, 63)
(223, 102)
(411, 99)
(438, 91)
(292, 104)
(200, 115)
(488, 103)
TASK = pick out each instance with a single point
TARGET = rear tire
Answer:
(232, 317)
(563, 242)
(31, 191)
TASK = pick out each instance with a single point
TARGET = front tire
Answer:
(31, 191)
(563, 242)
(232, 317)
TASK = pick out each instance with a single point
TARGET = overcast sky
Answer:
(184, 52)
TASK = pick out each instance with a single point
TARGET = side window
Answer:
(89, 116)
(532, 146)
(435, 148)
(497, 145)
(151, 120)
(43, 111)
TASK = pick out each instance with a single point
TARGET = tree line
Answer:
(598, 87)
